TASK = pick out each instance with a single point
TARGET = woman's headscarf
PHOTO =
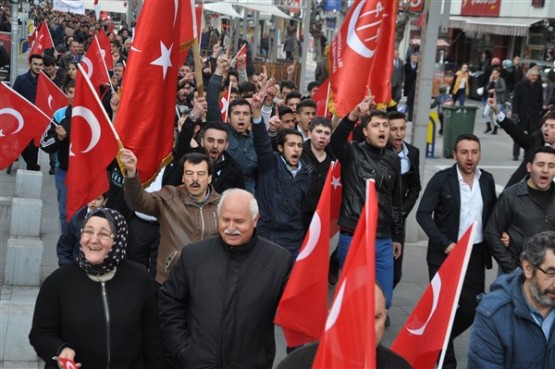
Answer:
(116, 255)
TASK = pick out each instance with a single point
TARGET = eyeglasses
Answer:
(548, 273)
(102, 236)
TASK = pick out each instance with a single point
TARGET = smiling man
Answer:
(514, 322)
(453, 199)
(524, 209)
(187, 213)
(360, 161)
(218, 305)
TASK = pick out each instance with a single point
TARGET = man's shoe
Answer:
(52, 171)
(494, 131)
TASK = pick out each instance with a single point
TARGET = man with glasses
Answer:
(524, 209)
(514, 322)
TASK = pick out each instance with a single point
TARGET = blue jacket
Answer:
(26, 85)
(504, 334)
(280, 195)
(69, 241)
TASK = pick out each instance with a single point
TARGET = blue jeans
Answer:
(61, 190)
(384, 262)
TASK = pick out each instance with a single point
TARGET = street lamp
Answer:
(15, 42)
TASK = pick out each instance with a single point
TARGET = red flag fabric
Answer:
(43, 41)
(20, 121)
(189, 29)
(428, 327)
(105, 49)
(49, 98)
(349, 337)
(361, 54)
(302, 309)
(93, 146)
(94, 65)
(321, 97)
(199, 9)
(336, 198)
(224, 103)
(242, 51)
(145, 119)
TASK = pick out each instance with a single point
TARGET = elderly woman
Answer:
(99, 311)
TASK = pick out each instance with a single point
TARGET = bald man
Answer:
(218, 304)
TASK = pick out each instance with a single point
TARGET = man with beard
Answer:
(455, 198)
(187, 213)
(524, 209)
(282, 184)
(227, 172)
(514, 322)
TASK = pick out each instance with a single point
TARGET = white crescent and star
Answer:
(17, 115)
(336, 307)
(89, 65)
(176, 4)
(164, 60)
(50, 99)
(81, 111)
(335, 182)
(436, 290)
(313, 237)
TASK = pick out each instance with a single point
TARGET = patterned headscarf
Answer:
(115, 256)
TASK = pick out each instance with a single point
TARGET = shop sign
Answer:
(481, 8)
(416, 6)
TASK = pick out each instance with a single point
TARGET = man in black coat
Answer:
(218, 305)
(454, 198)
(410, 177)
(411, 69)
(527, 104)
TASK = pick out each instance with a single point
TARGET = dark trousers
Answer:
(474, 285)
(144, 238)
(31, 157)
(398, 263)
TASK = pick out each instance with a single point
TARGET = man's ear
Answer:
(280, 149)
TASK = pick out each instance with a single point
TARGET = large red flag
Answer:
(190, 28)
(322, 97)
(93, 146)
(303, 307)
(336, 198)
(427, 329)
(43, 40)
(349, 337)
(20, 121)
(199, 10)
(49, 98)
(94, 65)
(106, 49)
(361, 54)
(145, 120)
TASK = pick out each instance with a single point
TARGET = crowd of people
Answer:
(188, 271)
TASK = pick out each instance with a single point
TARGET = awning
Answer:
(497, 26)
(222, 8)
(264, 7)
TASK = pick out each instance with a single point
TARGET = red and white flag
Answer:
(321, 97)
(242, 52)
(428, 327)
(361, 54)
(224, 102)
(20, 122)
(43, 40)
(349, 337)
(191, 17)
(94, 65)
(336, 198)
(302, 309)
(49, 98)
(145, 120)
(93, 146)
(106, 49)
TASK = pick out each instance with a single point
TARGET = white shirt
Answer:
(472, 206)
(404, 156)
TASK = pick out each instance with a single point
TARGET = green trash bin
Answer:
(456, 121)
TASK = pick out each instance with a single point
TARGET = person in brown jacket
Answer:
(187, 213)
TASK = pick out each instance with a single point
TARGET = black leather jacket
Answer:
(360, 161)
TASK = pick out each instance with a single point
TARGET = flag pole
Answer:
(327, 99)
(198, 68)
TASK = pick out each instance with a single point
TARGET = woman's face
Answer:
(495, 75)
(72, 71)
(97, 240)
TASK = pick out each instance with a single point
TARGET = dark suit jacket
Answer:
(398, 74)
(439, 211)
(410, 77)
(410, 181)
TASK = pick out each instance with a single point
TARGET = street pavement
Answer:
(496, 158)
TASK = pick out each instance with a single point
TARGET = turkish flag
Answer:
(106, 49)
(224, 103)
(336, 198)
(349, 337)
(416, 6)
(94, 65)
(242, 51)
(20, 121)
(321, 97)
(302, 310)
(428, 327)
(93, 146)
(43, 40)
(199, 10)
(361, 54)
(190, 28)
(49, 98)
(145, 120)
